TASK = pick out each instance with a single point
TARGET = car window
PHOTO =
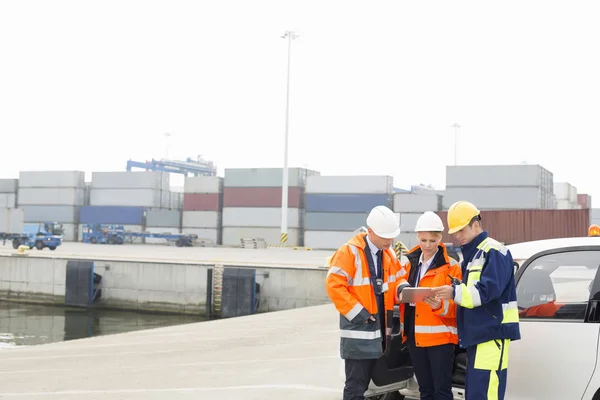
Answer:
(557, 286)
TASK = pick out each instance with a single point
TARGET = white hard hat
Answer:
(384, 222)
(429, 222)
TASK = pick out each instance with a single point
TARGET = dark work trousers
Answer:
(358, 377)
(433, 369)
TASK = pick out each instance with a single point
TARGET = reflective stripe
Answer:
(354, 312)
(361, 334)
(436, 329)
(360, 282)
(384, 287)
(388, 331)
(489, 244)
(477, 262)
(358, 276)
(510, 312)
(392, 278)
(446, 308)
(339, 271)
(467, 297)
(401, 272)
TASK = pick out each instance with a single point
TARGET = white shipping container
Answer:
(413, 202)
(169, 230)
(204, 233)
(131, 180)
(9, 185)
(259, 217)
(327, 240)
(201, 219)
(125, 197)
(51, 179)
(496, 198)
(573, 194)
(176, 202)
(409, 239)
(51, 197)
(203, 184)
(11, 220)
(61, 214)
(265, 177)
(233, 235)
(8, 200)
(563, 191)
(364, 184)
(565, 205)
(494, 175)
(128, 228)
(595, 213)
(408, 221)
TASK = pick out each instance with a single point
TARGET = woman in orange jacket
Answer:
(429, 327)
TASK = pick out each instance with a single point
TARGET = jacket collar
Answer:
(440, 259)
(470, 248)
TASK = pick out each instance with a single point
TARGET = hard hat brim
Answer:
(456, 229)
(388, 235)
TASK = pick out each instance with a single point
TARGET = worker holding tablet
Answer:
(429, 323)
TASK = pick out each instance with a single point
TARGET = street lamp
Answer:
(455, 126)
(289, 35)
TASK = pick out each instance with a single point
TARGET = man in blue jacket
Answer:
(487, 314)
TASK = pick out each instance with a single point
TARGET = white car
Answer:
(558, 294)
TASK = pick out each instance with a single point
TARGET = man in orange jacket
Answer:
(361, 283)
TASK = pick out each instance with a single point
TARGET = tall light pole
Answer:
(456, 126)
(289, 35)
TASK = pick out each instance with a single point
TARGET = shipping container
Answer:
(417, 202)
(496, 198)
(131, 180)
(585, 200)
(232, 235)
(495, 175)
(203, 184)
(163, 218)
(259, 217)
(70, 232)
(409, 239)
(261, 197)
(11, 220)
(9, 185)
(515, 226)
(205, 233)
(111, 215)
(176, 201)
(51, 197)
(62, 214)
(51, 179)
(266, 177)
(202, 202)
(565, 191)
(128, 228)
(317, 221)
(362, 184)
(346, 203)
(595, 213)
(201, 219)
(8, 200)
(408, 221)
(160, 229)
(566, 205)
(326, 240)
(125, 197)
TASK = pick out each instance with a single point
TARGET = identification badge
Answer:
(378, 286)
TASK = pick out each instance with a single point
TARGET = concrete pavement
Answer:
(289, 354)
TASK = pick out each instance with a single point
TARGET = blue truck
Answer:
(116, 234)
(39, 235)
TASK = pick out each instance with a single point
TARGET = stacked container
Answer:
(162, 221)
(410, 206)
(584, 200)
(130, 189)
(52, 196)
(336, 206)
(252, 204)
(203, 206)
(8, 193)
(499, 187)
(566, 196)
(132, 218)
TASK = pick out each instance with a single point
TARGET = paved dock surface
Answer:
(289, 354)
(270, 257)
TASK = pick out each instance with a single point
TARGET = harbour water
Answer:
(29, 324)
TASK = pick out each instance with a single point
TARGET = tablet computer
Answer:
(415, 295)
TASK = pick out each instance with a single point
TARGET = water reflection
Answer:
(27, 324)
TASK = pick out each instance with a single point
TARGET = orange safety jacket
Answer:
(431, 327)
(350, 288)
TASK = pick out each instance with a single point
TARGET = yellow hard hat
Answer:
(594, 230)
(460, 215)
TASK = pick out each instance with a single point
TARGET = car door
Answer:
(556, 355)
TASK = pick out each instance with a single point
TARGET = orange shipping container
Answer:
(515, 226)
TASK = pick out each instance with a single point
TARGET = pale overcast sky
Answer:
(375, 86)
